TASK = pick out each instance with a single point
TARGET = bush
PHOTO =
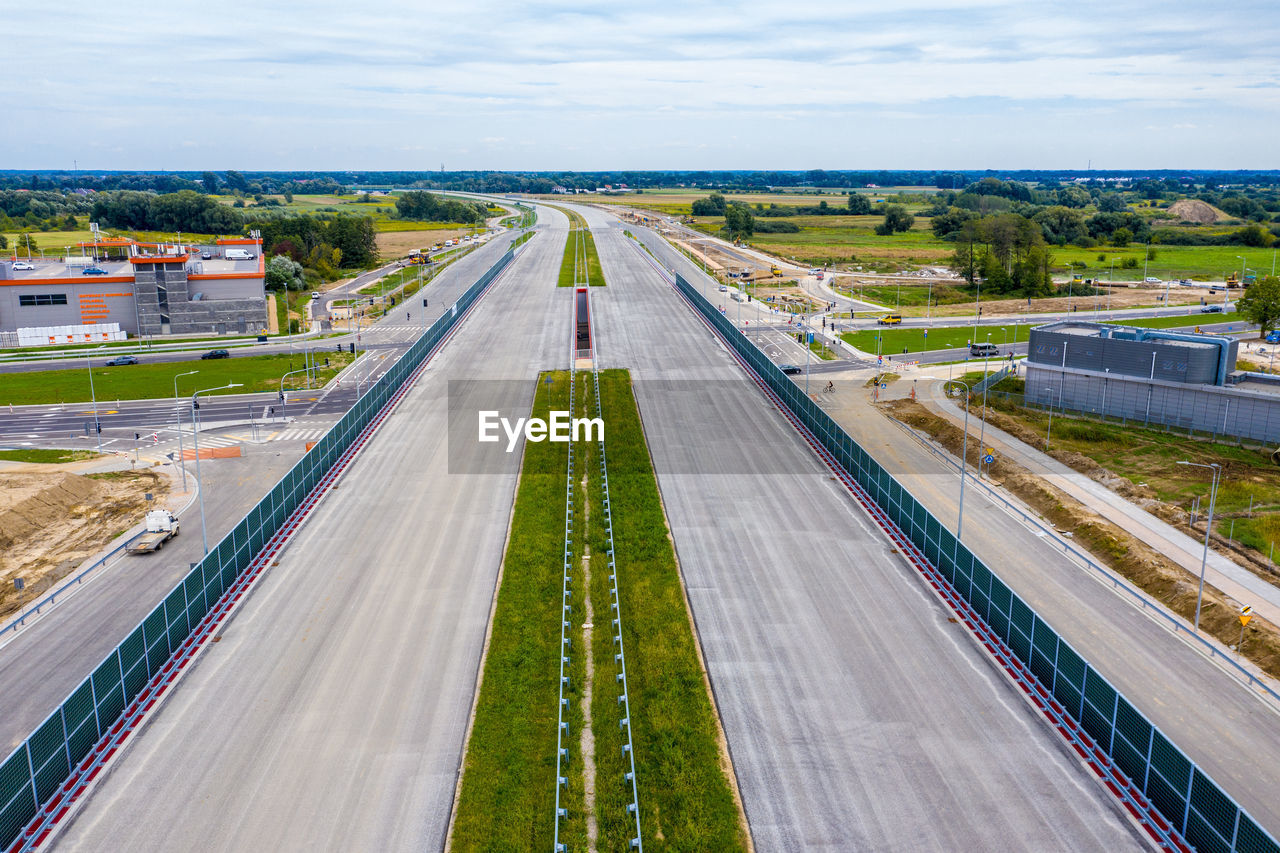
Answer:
(764, 226)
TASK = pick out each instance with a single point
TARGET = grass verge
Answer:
(45, 455)
(682, 769)
(154, 381)
(507, 797)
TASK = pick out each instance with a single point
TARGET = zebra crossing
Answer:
(300, 433)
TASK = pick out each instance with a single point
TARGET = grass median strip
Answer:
(507, 795)
(594, 272)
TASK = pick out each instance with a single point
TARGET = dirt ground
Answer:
(51, 522)
(397, 244)
(1142, 565)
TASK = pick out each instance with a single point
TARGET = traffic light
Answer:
(339, 347)
(353, 349)
(136, 436)
(281, 393)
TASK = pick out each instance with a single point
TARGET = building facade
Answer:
(148, 289)
(1151, 377)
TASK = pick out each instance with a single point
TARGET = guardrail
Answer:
(992, 379)
(1178, 804)
(56, 762)
(1177, 625)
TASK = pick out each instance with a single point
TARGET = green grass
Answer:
(155, 381)
(45, 455)
(507, 798)
(950, 337)
(594, 272)
(686, 802)
(820, 349)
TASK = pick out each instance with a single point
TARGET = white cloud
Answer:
(472, 82)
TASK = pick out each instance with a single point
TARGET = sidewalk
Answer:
(1221, 572)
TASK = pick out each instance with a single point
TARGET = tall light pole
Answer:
(964, 453)
(1213, 496)
(181, 453)
(1242, 268)
(283, 412)
(195, 436)
(97, 424)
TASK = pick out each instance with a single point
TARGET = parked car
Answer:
(724, 288)
(206, 256)
(23, 265)
(93, 271)
(1273, 337)
(789, 369)
(1152, 280)
(216, 353)
(122, 360)
(1210, 309)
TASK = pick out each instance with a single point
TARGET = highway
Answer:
(331, 712)
(831, 665)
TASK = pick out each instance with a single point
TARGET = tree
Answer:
(210, 182)
(896, 219)
(1112, 203)
(4, 242)
(947, 224)
(738, 222)
(236, 181)
(712, 205)
(1253, 235)
(859, 204)
(1061, 225)
(1261, 303)
(283, 274)
(1121, 237)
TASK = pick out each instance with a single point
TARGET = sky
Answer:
(910, 84)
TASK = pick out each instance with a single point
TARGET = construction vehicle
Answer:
(777, 273)
(162, 525)
(1233, 280)
(1250, 280)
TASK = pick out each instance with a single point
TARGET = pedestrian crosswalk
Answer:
(300, 434)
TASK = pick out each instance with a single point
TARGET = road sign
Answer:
(988, 459)
(19, 584)
(884, 385)
(926, 333)
(1246, 613)
(991, 451)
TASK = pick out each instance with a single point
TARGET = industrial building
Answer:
(145, 289)
(1153, 377)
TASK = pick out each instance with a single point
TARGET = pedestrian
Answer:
(406, 316)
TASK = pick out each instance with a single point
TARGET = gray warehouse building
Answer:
(1153, 377)
(144, 288)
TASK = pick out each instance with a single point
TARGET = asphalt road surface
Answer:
(332, 712)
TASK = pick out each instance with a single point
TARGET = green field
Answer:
(949, 337)
(154, 381)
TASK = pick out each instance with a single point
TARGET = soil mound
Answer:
(1194, 210)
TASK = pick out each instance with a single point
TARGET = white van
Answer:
(240, 255)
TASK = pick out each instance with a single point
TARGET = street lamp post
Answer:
(97, 424)
(195, 437)
(1208, 527)
(284, 414)
(964, 453)
(181, 452)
